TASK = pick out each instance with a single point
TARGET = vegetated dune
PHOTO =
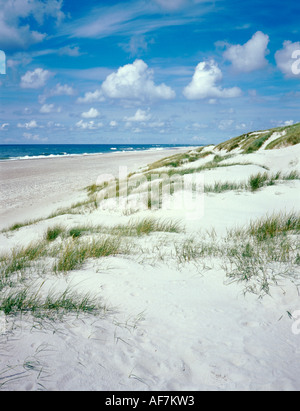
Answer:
(269, 139)
(143, 290)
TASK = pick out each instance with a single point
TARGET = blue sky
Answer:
(155, 71)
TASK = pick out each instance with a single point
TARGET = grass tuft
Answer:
(75, 253)
(257, 181)
(54, 232)
(277, 224)
(22, 301)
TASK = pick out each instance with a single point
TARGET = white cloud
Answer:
(18, 37)
(35, 79)
(251, 55)
(136, 45)
(52, 124)
(58, 90)
(34, 137)
(135, 81)
(62, 90)
(225, 124)
(4, 126)
(92, 113)
(139, 116)
(287, 59)
(137, 130)
(71, 51)
(31, 124)
(90, 125)
(282, 123)
(156, 124)
(92, 97)
(49, 108)
(204, 83)
(113, 123)
(15, 32)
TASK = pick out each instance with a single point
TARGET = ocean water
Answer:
(25, 152)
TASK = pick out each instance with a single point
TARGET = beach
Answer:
(156, 299)
(34, 188)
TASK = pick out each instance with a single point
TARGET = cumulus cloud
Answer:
(287, 59)
(139, 116)
(49, 108)
(251, 55)
(130, 82)
(31, 124)
(135, 81)
(88, 125)
(92, 97)
(92, 113)
(62, 90)
(204, 83)
(35, 79)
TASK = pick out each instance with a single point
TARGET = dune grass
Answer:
(178, 160)
(291, 138)
(75, 253)
(275, 225)
(265, 251)
(254, 144)
(257, 181)
(260, 180)
(257, 256)
(20, 258)
(54, 232)
(147, 226)
(24, 301)
(220, 187)
(250, 143)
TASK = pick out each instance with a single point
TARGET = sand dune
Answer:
(167, 299)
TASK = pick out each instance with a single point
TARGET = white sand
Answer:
(34, 188)
(170, 327)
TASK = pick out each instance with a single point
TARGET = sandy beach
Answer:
(102, 298)
(34, 188)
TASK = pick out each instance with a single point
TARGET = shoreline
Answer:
(113, 150)
(34, 188)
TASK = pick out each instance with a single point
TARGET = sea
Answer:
(35, 151)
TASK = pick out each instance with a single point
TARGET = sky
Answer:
(146, 71)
